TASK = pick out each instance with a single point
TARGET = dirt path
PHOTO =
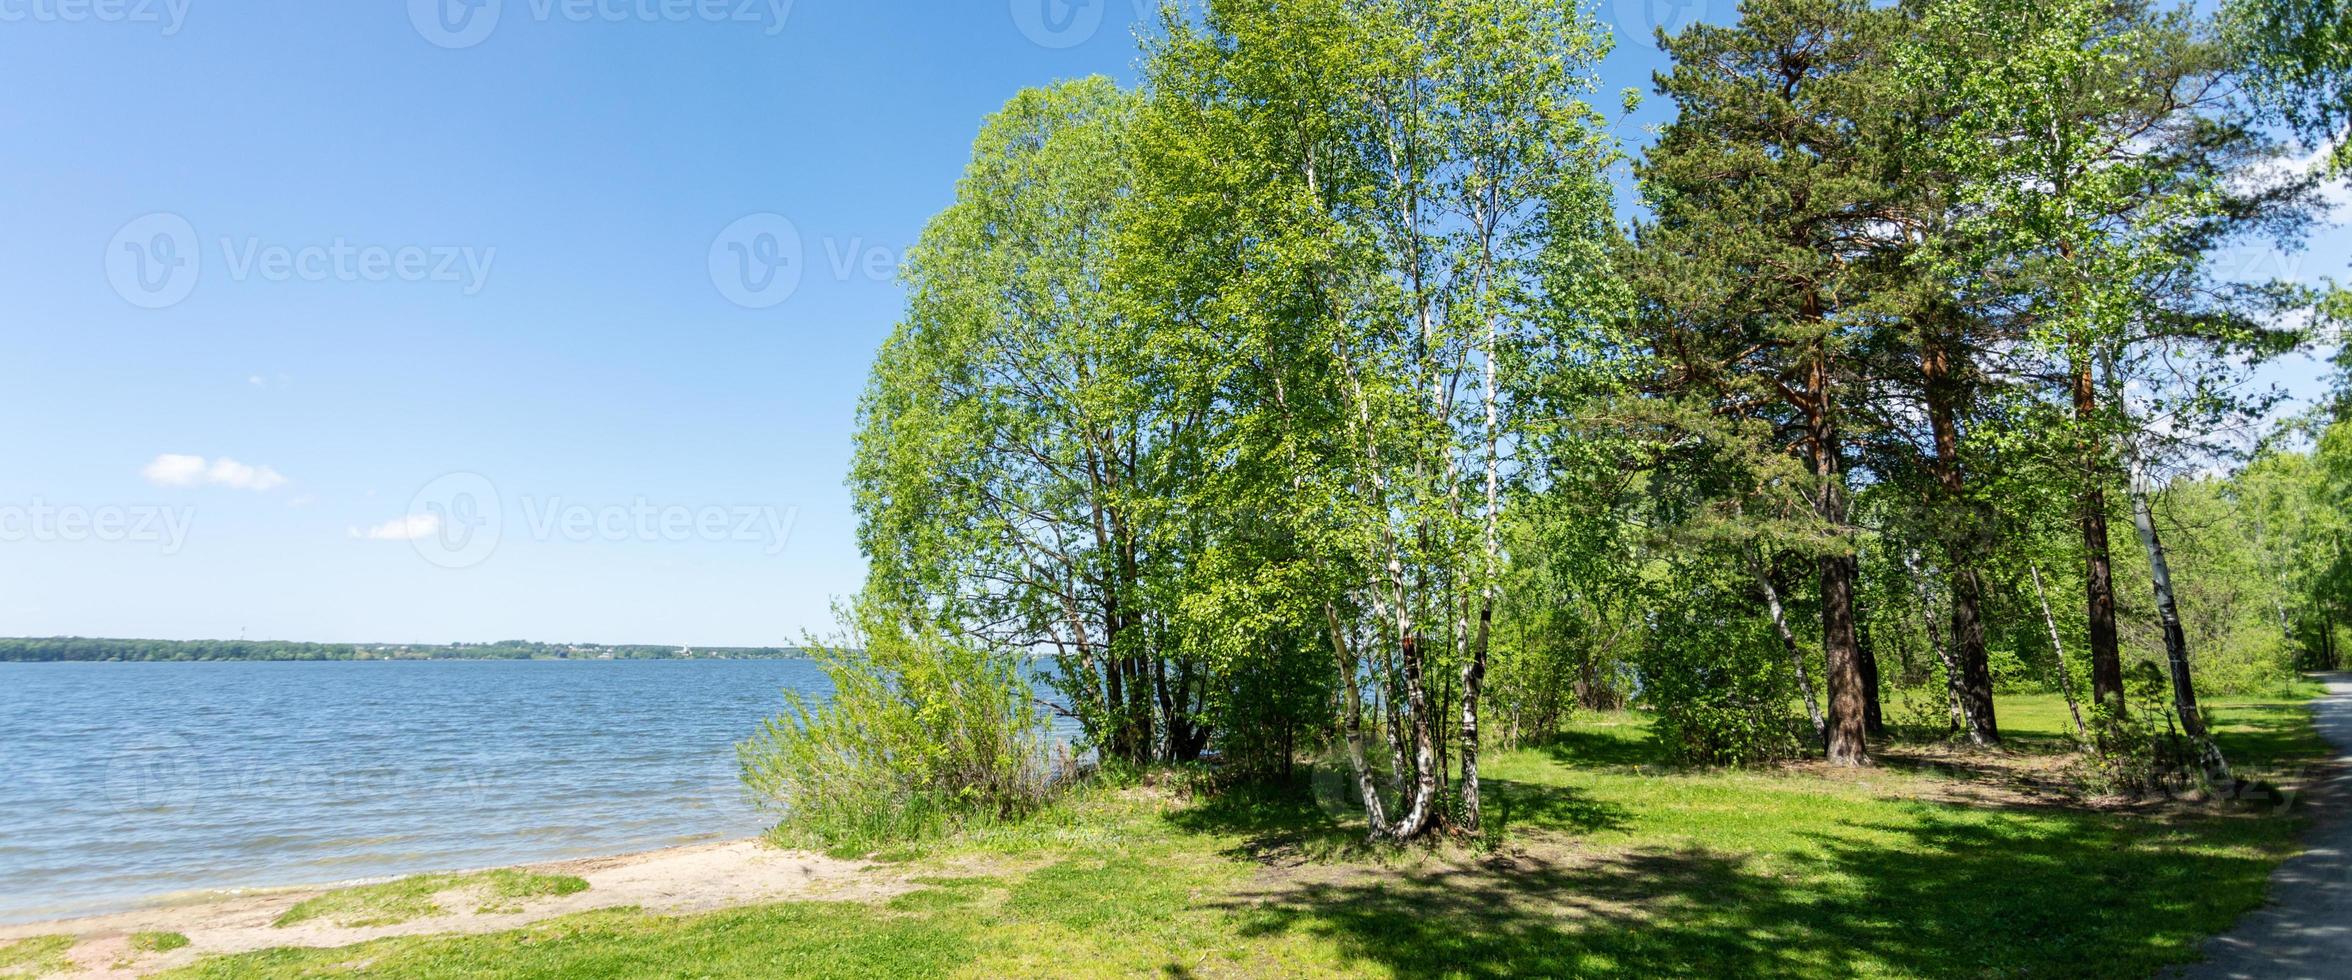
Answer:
(679, 880)
(2306, 930)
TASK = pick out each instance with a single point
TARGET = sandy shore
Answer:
(697, 878)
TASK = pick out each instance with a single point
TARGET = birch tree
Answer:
(1365, 190)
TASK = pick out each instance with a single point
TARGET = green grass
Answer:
(36, 957)
(157, 942)
(1610, 863)
(407, 899)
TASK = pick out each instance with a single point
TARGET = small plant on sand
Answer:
(157, 942)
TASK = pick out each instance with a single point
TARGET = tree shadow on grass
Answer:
(1519, 915)
(2266, 734)
(1623, 746)
(2038, 892)
(2013, 740)
(1297, 824)
(1958, 892)
(1277, 822)
(2259, 738)
(1513, 806)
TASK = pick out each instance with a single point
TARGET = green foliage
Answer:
(1718, 683)
(1023, 453)
(2140, 751)
(921, 733)
(419, 897)
(2300, 59)
(1359, 229)
(1308, 401)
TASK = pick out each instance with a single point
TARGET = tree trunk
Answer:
(1936, 645)
(1421, 811)
(1788, 639)
(1873, 709)
(1473, 677)
(2099, 595)
(2058, 650)
(1140, 719)
(1353, 721)
(1115, 707)
(1187, 737)
(1973, 683)
(2176, 640)
(2098, 578)
(1474, 672)
(1170, 721)
(1847, 737)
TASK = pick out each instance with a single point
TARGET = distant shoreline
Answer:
(75, 649)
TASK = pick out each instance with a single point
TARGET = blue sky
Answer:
(376, 321)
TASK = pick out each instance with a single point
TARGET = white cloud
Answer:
(177, 470)
(172, 470)
(408, 528)
(257, 381)
(230, 473)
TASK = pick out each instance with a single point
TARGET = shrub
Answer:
(922, 733)
(1721, 688)
(2143, 751)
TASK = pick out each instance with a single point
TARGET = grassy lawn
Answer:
(1939, 863)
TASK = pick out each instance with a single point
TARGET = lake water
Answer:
(123, 782)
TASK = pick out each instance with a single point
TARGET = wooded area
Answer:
(1313, 404)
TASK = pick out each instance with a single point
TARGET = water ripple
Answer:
(124, 781)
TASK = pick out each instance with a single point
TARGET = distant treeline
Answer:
(76, 648)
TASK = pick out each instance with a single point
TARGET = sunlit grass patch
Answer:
(408, 899)
(38, 956)
(157, 942)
